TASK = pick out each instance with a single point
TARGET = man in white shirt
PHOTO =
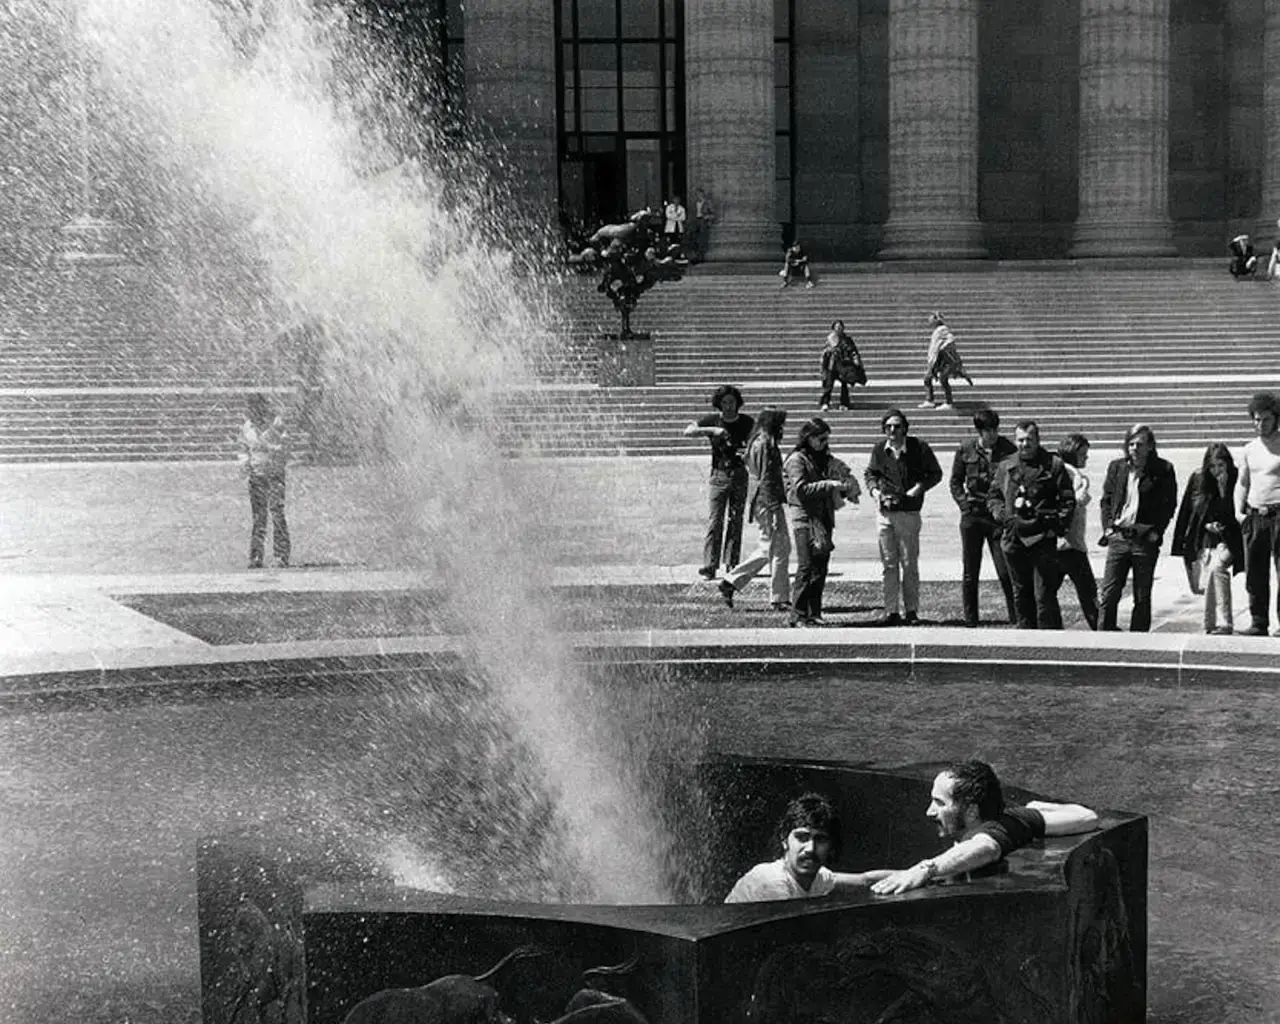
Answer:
(809, 835)
(1258, 499)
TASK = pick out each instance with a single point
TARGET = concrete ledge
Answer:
(938, 655)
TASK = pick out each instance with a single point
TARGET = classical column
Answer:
(510, 73)
(1124, 130)
(1267, 230)
(729, 124)
(933, 131)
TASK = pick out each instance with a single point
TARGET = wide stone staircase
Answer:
(1088, 347)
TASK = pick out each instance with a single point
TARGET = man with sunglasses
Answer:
(900, 470)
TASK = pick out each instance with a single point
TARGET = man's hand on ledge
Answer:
(915, 877)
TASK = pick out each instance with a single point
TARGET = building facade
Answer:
(894, 129)
(869, 129)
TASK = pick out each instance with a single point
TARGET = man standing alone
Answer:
(728, 431)
(263, 455)
(971, 476)
(1258, 499)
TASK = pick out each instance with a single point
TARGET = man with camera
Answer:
(1033, 500)
(900, 470)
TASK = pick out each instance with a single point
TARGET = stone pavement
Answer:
(72, 535)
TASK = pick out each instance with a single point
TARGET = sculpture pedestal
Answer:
(1060, 936)
(625, 362)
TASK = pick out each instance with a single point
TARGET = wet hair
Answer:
(976, 785)
(723, 392)
(986, 419)
(1134, 431)
(770, 420)
(1264, 401)
(1070, 447)
(1025, 425)
(890, 413)
(812, 810)
(1208, 482)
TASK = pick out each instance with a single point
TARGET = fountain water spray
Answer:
(435, 322)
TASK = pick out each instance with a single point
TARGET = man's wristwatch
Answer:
(930, 869)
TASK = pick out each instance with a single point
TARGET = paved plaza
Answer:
(70, 535)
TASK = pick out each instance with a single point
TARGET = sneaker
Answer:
(707, 572)
(781, 606)
(784, 284)
(892, 619)
(911, 619)
(727, 592)
(282, 563)
(1220, 631)
(927, 404)
(809, 284)
(1254, 630)
(824, 407)
(944, 405)
(255, 564)
(816, 620)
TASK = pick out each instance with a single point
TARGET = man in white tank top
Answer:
(1258, 499)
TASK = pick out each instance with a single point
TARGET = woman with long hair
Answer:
(767, 508)
(813, 496)
(1208, 537)
(841, 362)
(1073, 549)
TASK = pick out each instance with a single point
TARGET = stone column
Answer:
(1267, 231)
(729, 125)
(933, 131)
(510, 72)
(1124, 130)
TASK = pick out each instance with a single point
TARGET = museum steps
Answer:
(1008, 322)
(1182, 348)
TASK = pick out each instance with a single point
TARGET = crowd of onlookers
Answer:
(1024, 504)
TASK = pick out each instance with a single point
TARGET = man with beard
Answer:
(967, 806)
(1033, 500)
(809, 834)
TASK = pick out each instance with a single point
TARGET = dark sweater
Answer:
(890, 474)
(1157, 495)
